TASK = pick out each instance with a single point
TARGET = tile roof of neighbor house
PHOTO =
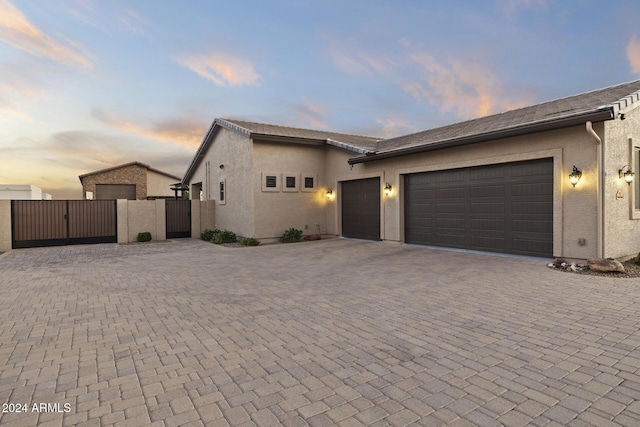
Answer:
(126, 165)
(597, 105)
(355, 143)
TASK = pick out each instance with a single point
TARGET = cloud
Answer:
(17, 31)
(633, 54)
(135, 23)
(355, 60)
(186, 133)
(221, 68)
(9, 113)
(468, 88)
(312, 114)
(392, 126)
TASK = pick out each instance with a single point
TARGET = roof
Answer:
(357, 144)
(127, 165)
(597, 105)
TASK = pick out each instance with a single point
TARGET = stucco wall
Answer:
(137, 216)
(159, 185)
(5, 225)
(202, 217)
(622, 219)
(574, 208)
(277, 211)
(133, 174)
(233, 151)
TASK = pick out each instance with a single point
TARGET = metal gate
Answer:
(178, 218)
(62, 222)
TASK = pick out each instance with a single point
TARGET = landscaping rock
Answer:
(605, 265)
(312, 237)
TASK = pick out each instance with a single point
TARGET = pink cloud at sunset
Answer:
(221, 68)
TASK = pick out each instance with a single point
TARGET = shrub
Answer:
(250, 241)
(637, 259)
(223, 236)
(144, 236)
(207, 234)
(291, 235)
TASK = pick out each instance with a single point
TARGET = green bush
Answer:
(144, 237)
(291, 235)
(250, 241)
(223, 236)
(637, 259)
(207, 235)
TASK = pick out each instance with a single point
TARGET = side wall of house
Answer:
(574, 207)
(280, 208)
(232, 151)
(159, 185)
(133, 174)
(621, 207)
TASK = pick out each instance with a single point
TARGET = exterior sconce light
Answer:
(329, 194)
(575, 176)
(627, 175)
(387, 188)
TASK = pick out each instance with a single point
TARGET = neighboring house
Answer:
(22, 192)
(499, 183)
(132, 181)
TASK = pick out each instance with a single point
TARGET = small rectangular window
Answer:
(271, 181)
(221, 191)
(291, 182)
(308, 182)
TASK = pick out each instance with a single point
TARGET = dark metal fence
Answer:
(63, 222)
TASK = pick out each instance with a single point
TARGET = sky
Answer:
(90, 84)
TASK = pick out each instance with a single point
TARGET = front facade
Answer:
(499, 183)
(132, 181)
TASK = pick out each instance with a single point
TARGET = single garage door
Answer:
(505, 208)
(361, 209)
(115, 191)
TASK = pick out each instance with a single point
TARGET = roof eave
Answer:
(593, 115)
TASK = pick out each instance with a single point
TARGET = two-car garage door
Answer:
(505, 208)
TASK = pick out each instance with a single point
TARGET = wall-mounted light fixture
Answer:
(575, 176)
(221, 166)
(329, 194)
(387, 189)
(627, 175)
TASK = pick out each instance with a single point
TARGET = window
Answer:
(222, 200)
(291, 182)
(89, 195)
(271, 181)
(310, 183)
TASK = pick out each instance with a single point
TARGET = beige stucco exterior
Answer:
(622, 216)
(138, 216)
(250, 209)
(5, 225)
(159, 185)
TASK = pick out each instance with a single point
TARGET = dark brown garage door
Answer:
(361, 209)
(115, 191)
(505, 208)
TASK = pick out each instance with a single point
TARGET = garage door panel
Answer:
(506, 208)
(533, 208)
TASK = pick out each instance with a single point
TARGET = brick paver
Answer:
(334, 332)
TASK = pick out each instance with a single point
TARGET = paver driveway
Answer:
(334, 332)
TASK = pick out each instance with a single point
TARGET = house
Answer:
(132, 181)
(552, 179)
(22, 192)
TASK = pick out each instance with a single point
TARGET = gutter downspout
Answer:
(599, 191)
